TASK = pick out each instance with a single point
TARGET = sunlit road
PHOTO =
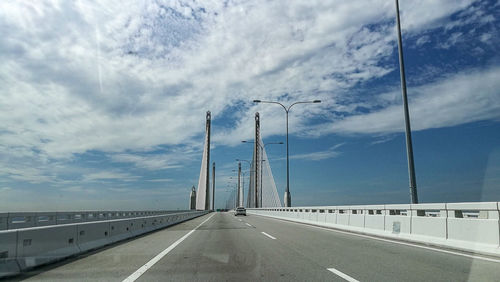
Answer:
(228, 248)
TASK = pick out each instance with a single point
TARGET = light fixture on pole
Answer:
(288, 197)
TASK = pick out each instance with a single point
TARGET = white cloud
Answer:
(160, 180)
(465, 97)
(151, 162)
(332, 152)
(108, 175)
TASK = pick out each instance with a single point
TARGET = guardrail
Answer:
(465, 226)
(40, 238)
(15, 220)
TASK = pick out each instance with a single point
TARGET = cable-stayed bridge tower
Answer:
(262, 190)
(203, 194)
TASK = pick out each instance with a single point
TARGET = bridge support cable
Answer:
(203, 194)
(269, 192)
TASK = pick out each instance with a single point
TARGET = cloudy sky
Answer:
(102, 103)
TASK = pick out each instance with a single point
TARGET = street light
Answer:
(409, 146)
(288, 197)
(262, 160)
(244, 172)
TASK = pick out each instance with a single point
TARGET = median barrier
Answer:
(40, 245)
(119, 229)
(92, 235)
(466, 226)
(8, 251)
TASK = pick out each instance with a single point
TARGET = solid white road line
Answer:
(392, 241)
(268, 235)
(343, 275)
(134, 276)
(248, 224)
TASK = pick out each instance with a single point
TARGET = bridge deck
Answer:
(229, 248)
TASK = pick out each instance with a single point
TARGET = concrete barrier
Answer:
(474, 224)
(40, 245)
(429, 220)
(34, 242)
(8, 253)
(473, 227)
(375, 217)
(357, 216)
(397, 219)
(91, 235)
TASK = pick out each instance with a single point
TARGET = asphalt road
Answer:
(227, 248)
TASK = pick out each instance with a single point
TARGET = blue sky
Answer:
(103, 103)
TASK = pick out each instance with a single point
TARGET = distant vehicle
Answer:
(240, 211)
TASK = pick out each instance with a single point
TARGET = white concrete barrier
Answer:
(397, 219)
(375, 217)
(93, 235)
(40, 245)
(8, 253)
(34, 242)
(474, 224)
(471, 227)
(429, 220)
(357, 216)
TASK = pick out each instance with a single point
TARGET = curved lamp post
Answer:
(288, 198)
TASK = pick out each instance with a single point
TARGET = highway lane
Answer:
(254, 248)
(367, 259)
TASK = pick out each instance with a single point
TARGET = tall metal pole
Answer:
(213, 186)
(409, 146)
(256, 148)
(288, 197)
(207, 186)
(239, 187)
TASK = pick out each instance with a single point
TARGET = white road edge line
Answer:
(392, 241)
(343, 275)
(268, 235)
(134, 276)
(248, 224)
